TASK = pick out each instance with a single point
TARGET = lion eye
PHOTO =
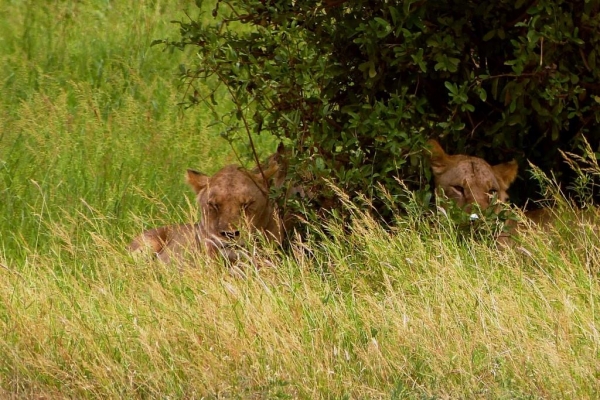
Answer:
(213, 205)
(247, 205)
(459, 189)
(493, 192)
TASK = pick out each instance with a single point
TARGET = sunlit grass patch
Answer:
(403, 314)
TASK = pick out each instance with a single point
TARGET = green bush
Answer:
(357, 87)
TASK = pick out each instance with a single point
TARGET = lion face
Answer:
(233, 201)
(470, 180)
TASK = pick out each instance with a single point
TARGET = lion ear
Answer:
(197, 180)
(437, 156)
(269, 172)
(281, 149)
(506, 172)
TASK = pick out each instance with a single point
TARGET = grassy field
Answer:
(92, 150)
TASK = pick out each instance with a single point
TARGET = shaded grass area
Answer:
(93, 150)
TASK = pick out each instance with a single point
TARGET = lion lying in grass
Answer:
(469, 180)
(231, 201)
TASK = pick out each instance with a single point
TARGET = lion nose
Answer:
(230, 234)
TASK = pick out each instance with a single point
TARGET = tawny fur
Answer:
(233, 201)
(469, 180)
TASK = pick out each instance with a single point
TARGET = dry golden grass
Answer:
(366, 314)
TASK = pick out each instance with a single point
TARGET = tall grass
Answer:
(90, 116)
(93, 149)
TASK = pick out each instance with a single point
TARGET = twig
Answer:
(247, 126)
(542, 51)
(583, 58)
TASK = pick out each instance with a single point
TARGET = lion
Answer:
(469, 180)
(231, 201)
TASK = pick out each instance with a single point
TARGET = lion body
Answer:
(233, 202)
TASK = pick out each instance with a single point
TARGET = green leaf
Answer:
(574, 79)
(592, 59)
(482, 94)
(578, 41)
(489, 35)
(418, 59)
(382, 22)
(535, 104)
(364, 66)
(395, 15)
(372, 71)
(534, 9)
(452, 88)
(555, 132)
(454, 61)
(514, 119)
